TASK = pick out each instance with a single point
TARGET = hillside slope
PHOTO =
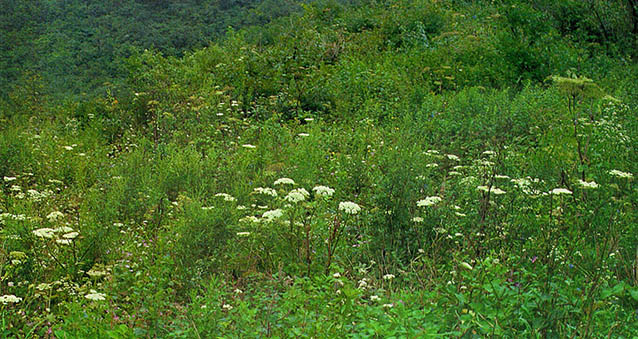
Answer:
(390, 169)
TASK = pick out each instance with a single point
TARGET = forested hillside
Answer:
(76, 46)
(408, 168)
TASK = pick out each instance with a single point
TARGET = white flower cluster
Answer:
(484, 163)
(16, 217)
(429, 201)
(226, 196)
(493, 190)
(609, 130)
(265, 190)
(349, 207)
(44, 232)
(297, 195)
(17, 257)
(55, 215)
(559, 191)
(621, 174)
(95, 296)
(67, 237)
(323, 191)
(250, 218)
(363, 283)
(9, 299)
(70, 235)
(284, 181)
(525, 183)
(522, 182)
(36, 196)
(586, 184)
(272, 215)
(96, 273)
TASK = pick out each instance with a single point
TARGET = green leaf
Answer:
(615, 291)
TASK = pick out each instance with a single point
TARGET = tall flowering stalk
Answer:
(576, 89)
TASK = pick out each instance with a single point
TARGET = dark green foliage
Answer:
(78, 46)
(15, 153)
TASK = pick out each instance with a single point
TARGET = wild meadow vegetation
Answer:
(407, 169)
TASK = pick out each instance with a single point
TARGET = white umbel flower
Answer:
(70, 235)
(95, 296)
(349, 207)
(498, 191)
(44, 232)
(621, 174)
(297, 195)
(585, 184)
(265, 190)
(284, 181)
(63, 229)
(559, 191)
(429, 201)
(226, 196)
(323, 191)
(9, 299)
(55, 215)
(272, 215)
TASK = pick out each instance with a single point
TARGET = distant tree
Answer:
(632, 5)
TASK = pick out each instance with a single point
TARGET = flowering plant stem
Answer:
(333, 239)
(571, 105)
(307, 223)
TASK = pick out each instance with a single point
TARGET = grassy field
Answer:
(405, 169)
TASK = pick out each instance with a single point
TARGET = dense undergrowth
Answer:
(401, 169)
